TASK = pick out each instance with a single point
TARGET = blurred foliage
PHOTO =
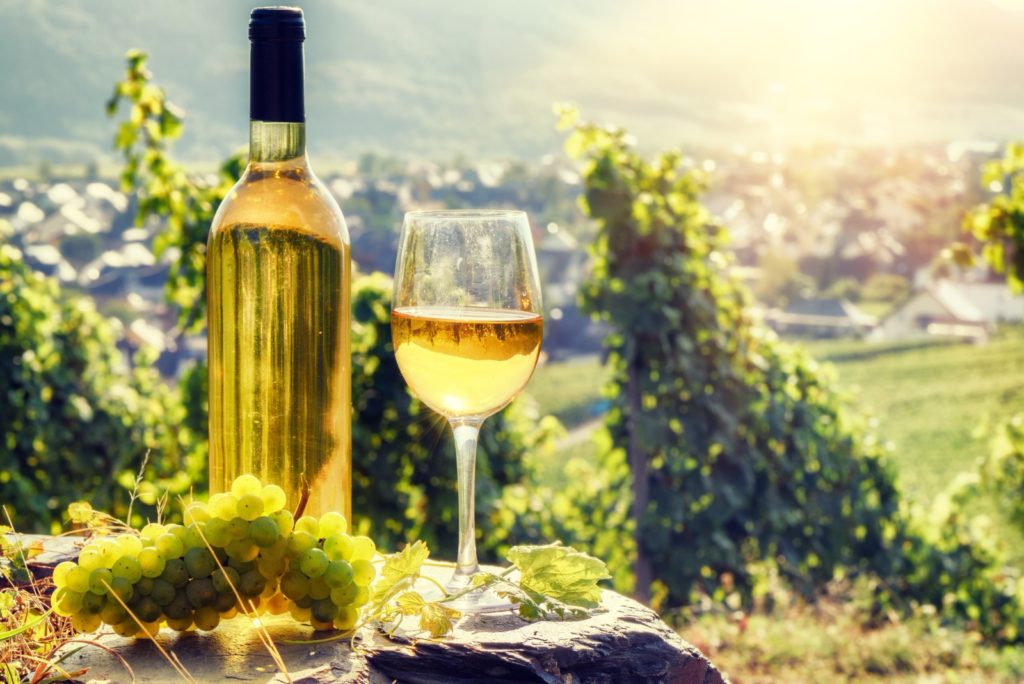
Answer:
(402, 489)
(885, 287)
(185, 203)
(781, 281)
(74, 417)
(1003, 469)
(998, 224)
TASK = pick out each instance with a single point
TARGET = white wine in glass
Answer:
(466, 326)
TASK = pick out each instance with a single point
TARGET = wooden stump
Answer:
(623, 642)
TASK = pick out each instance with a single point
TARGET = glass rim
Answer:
(463, 213)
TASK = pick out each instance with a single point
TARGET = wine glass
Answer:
(466, 325)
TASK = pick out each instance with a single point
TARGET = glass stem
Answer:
(466, 433)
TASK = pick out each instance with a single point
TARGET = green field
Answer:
(935, 404)
(931, 400)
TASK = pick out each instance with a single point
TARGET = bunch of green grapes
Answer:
(241, 552)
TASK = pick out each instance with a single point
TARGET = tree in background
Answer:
(402, 488)
(737, 448)
(76, 422)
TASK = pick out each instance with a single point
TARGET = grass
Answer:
(933, 402)
(570, 390)
(828, 642)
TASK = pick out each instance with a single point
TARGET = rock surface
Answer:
(624, 642)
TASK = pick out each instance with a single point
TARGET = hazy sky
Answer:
(450, 76)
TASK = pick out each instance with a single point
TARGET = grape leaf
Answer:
(560, 573)
(438, 619)
(410, 603)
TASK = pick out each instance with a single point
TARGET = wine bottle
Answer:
(278, 284)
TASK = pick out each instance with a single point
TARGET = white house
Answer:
(969, 310)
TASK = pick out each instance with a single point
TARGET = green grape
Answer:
(338, 573)
(90, 558)
(277, 605)
(313, 562)
(321, 626)
(200, 592)
(252, 584)
(339, 547)
(285, 522)
(250, 507)
(224, 579)
(300, 542)
(129, 544)
(364, 548)
(299, 613)
(318, 588)
(151, 562)
(304, 602)
(66, 602)
(182, 624)
(363, 573)
(199, 563)
(122, 588)
(177, 530)
(240, 565)
(144, 587)
(206, 618)
(224, 601)
(224, 506)
(217, 532)
(242, 549)
(92, 603)
(170, 545)
(269, 588)
(113, 613)
(246, 484)
(128, 568)
(277, 550)
(151, 531)
(195, 512)
(238, 528)
(175, 572)
(99, 580)
(294, 585)
(309, 525)
(78, 579)
(332, 523)
(344, 596)
(363, 596)
(85, 622)
(179, 608)
(126, 628)
(273, 497)
(323, 610)
(60, 573)
(347, 618)
(149, 630)
(270, 567)
(110, 550)
(147, 609)
(163, 592)
(263, 531)
(195, 536)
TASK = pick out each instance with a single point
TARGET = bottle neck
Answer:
(276, 141)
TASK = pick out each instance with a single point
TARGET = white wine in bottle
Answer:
(278, 282)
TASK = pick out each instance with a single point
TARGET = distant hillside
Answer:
(451, 77)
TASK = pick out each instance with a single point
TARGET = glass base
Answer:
(480, 601)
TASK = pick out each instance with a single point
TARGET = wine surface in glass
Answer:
(279, 368)
(466, 362)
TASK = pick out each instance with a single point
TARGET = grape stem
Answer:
(303, 501)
